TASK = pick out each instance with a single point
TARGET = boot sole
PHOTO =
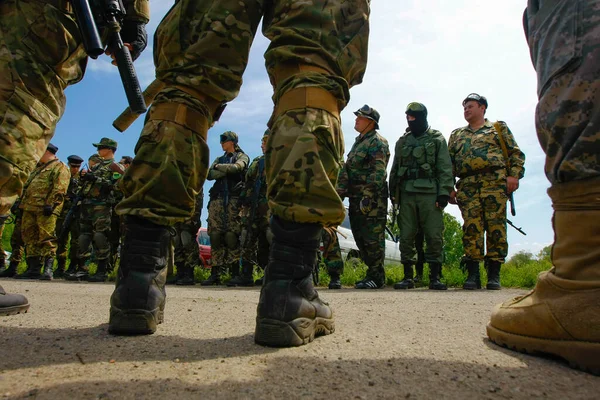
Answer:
(134, 322)
(580, 355)
(275, 333)
(22, 309)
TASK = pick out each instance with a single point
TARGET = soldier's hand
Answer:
(452, 199)
(512, 184)
(47, 210)
(442, 201)
(89, 177)
(366, 205)
(134, 34)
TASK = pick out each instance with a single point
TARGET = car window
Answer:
(203, 239)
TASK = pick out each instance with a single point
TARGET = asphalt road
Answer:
(416, 344)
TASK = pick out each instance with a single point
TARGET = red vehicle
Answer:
(204, 247)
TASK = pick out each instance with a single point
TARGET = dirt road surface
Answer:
(415, 344)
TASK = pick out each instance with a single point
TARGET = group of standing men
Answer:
(317, 53)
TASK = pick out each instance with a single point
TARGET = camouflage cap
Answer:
(74, 160)
(415, 109)
(106, 142)
(95, 158)
(475, 97)
(368, 112)
(228, 136)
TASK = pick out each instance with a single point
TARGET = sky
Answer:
(432, 51)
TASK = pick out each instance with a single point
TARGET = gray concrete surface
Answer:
(413, 344)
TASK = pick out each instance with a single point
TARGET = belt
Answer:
(482, 171)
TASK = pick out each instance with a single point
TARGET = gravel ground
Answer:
(416, 344)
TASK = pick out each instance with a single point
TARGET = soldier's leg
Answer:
(86, 236)
(30, 234)
(408, 223)
(61, 247)
(102, 222)
(561, 316)
(432, 222)
(217, 241)
(17, 245)
(201, 51)
(372, 231)
(420, 247)
(74, 246)
(332, 256)
(232, 237)
(47, 243)
(494, 209)
(471, 207)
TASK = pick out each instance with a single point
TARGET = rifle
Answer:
(517, 229)
(389, 231)
(64, 229)
(109, 14)
(513, 211)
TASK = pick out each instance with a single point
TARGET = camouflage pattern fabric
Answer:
(332, 254)
(221, 221)
(478, 161)
(568, 113)
(101, 190)
(40, 56)
(421, 172)
(17, 246)
(94, 229)
(39, 234)
(202, 47)
(2, 254)
(72, 235)
(369, 235)
(46, 186)
(186, 247)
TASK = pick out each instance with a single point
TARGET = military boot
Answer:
(493, 274)
(473, 278)
(101, 272)
(245, 277)
(48, 269)
(561, 315)
(407, 282)
(71, 269)
(11, 304)
(138, 302)
(187, 276)
(434, 277)
(335, 282)
(34, 269)
(9, 271)
(419, 273)
(81, 272)
(290, 312)
(214, 278)
(61, 263)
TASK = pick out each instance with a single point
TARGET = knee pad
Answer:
(231, 240)
(216, 240)
(101, 240)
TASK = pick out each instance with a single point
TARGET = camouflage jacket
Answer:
(254, 193)
(101, 190)
(72, 191)
(228, 171)
(137, 10)
(475, 153)
(47, 185)
(365, 171)
(421, 165)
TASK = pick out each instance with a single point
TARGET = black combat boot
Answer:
(290, 312)
(407, 282)
(138, 302)
(71, 269)
(335, 282)
(9, 271)
(48, 269)
(214, 278)
(419, 273)
(34, 269)
(493, 273)
(434, 277)
(473, 279)
(11, 304)
(245, 277)
(101, 272)
(61, 263)
(187, 276)
(81, 272)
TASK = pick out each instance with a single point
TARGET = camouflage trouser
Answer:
(17, 245)
(40, 55)
(186, 246)
(255, 244)
(482, 203)
(2, 254)
(201, 52)
(224, 229)
(94, 228)
(39, 234)
(71, 236)
(332, 254)
(418, 212)
(369, 235)
(114, 236)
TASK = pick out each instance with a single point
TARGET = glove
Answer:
(134, 33)
(442, 201)
(89, 177)
(365, 205)
(47, 210)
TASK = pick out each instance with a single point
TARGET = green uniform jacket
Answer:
(421, 165)
(47, 185)
(102, 190)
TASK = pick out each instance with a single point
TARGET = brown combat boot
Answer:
(11, 304)
(561, 316)
(290, 312)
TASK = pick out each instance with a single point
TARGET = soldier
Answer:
(224, 225)
(16, 243)
(186, 247)
(72, 230)
(478, 160)
(42, 201)
(420, 184)
(254, 212)
(332, 257)
(126, 161)
(98, 198)
(363, 181)
(561, 316)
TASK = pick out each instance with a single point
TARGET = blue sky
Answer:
(432, 51)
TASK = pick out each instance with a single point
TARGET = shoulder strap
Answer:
(498, 128)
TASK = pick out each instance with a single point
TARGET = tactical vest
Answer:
(232, 184)
(418, 158)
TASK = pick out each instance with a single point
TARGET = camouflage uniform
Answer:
(364, 177)
(478, 162)
(224, 224)
(16, 245)
(561, 316)
(332, 254)
(71, 234)
(41, 54)
(46, 187)
(96, 209)
(186, 247)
